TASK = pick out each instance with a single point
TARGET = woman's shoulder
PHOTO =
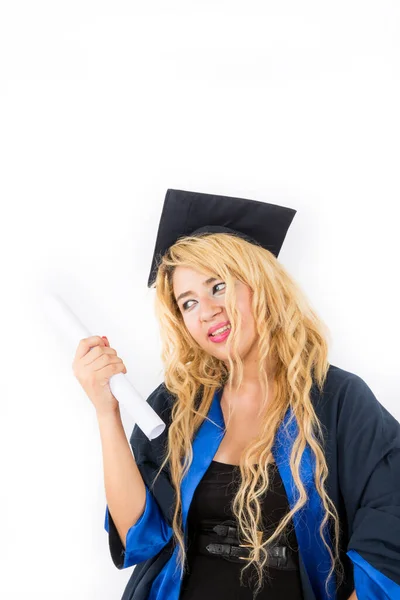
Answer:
(339, 382)
(349, 397)
(338, 378)
(161, 400)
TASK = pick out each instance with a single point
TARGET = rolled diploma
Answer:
(144, 416)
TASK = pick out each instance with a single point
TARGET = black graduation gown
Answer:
(362, 448)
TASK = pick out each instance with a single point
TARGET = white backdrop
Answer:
(104, 105)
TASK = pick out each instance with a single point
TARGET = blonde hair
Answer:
(289, 331)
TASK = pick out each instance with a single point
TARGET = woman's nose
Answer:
(209, 309)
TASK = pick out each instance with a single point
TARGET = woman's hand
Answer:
(94, 363)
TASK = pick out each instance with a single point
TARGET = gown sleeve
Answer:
(369, 478)
(152, 531)
(144, 539)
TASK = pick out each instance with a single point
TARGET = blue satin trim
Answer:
(371, 584)
(308, 520)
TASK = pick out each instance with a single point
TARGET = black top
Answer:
(216, 578)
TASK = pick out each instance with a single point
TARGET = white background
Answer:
(105, 105)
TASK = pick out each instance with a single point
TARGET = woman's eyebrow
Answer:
(189, 293)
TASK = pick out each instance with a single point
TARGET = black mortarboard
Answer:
(192, 213)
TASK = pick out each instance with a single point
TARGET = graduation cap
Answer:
(193, 213)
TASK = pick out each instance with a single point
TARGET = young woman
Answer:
(278, 474)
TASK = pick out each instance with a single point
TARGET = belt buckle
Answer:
(259, 536)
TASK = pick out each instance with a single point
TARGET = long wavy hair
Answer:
(288, 331)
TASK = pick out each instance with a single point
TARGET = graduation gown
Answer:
(362, 449)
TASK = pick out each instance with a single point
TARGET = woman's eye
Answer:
(217, 284)
(184, 305)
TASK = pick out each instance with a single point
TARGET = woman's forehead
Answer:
(184, 277)
(182, 274)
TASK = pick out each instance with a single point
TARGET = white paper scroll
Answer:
(144, 416)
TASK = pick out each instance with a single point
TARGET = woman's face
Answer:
(201, 303)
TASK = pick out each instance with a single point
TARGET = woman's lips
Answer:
(220, 337)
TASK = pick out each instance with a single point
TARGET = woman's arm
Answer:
(140, 530)
(124, 486)
(353, 596)
(368, 438)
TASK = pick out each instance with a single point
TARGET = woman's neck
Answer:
(249, 395)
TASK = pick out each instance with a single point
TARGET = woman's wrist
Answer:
(109, 413)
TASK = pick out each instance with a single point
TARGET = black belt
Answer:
(222, 540)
